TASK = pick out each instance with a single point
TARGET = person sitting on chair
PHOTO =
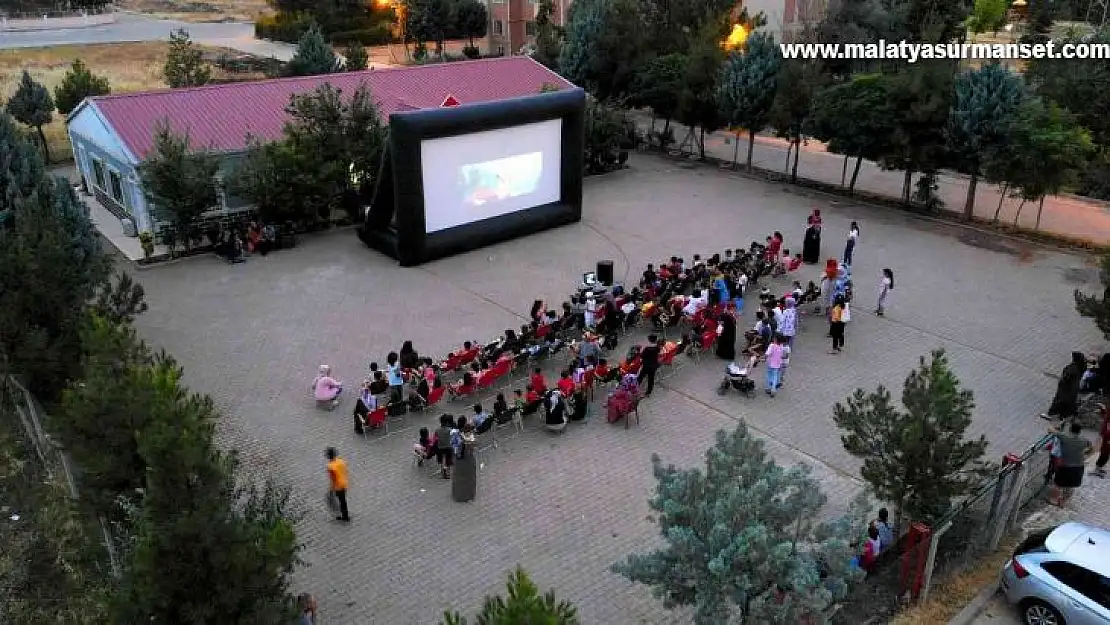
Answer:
(418, 398)
(378, 383)
(606, 374)
(532, 401)
(537, 381)
(366, 404)
(482, 421)
(556, 411)
(467, 382)
(425, 447)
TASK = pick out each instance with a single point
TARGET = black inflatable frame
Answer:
(394, 223)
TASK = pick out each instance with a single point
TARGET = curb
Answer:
(972, 610)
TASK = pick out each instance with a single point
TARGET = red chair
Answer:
(502, 368)
(434, 397)
(378, 418)
(453, 363)
(707, 338)
(666, 359)
(543, 331)
(463, 391)
(468, 357)
(486, 380)
(588, 379)
(630, 367)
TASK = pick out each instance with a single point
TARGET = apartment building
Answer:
(512, 23)
(787, 18)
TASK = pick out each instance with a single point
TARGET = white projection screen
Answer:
(486, 174)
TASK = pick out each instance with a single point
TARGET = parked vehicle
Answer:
(1061, 576)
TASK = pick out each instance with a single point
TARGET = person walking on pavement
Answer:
(649, 364)
(1104, 443)
(337, 478)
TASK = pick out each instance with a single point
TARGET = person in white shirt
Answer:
(696, 303)
(785, 362)
(850, 245)
(788, 323)
(591, 310)
(885, 287)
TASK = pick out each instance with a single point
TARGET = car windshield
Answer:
(1034, 543)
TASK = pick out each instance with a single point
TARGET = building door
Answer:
(83, 170)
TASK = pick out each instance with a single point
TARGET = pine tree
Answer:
(746, 90)
(185, 66)
(524, 604)
(356, 57)
(741, 540)
(313, 56)
(180, 182)
(471, 21)
(984, 102)
(120, 299)
(605, 46)
(1094, 306)
(79, 83)
(548, 36)
(32, 105)
(51, 264)
(916, 458)
(795, 87)
(1040, 26)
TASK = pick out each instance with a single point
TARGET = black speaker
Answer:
(605, 272)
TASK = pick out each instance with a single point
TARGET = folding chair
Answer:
(434, 397)
(378, 418)
(708, 339)
(635, 410)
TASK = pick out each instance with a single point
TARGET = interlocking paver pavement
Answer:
(566, 507)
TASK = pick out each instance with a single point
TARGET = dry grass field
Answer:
(128, 66)
(198, 11)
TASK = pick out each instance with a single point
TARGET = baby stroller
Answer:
(738, 379)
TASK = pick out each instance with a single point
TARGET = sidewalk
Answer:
(1090, 504)
(1069, 216)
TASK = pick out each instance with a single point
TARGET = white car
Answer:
(1061, 576)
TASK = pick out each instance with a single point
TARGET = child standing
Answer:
(886, 285)
(774, 365)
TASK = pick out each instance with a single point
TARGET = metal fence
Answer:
(50, 453)
(977, 525)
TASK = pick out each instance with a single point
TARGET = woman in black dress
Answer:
(811, 246)
(726, 340)
(1065, 403)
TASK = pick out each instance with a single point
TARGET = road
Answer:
(130, 28)
(1069, 216)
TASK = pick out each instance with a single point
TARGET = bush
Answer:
(471, 52)
(379, 35)
(287, 27)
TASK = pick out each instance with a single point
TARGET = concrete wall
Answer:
(55, 23)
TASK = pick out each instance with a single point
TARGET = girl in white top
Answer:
(591, 310)
(885, 287)
(850, 246)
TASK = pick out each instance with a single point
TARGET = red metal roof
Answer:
(222, 117)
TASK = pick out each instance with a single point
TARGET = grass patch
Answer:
(951, 595)
(198, 10)
(128, 67)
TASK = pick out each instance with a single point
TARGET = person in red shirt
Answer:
(537, 382)
(1104, 443)
(871, 549)
(566, 384)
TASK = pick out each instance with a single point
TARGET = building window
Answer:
(117, 187)
(530, 29)
(98, 173)
(498, 28)
(500, 50)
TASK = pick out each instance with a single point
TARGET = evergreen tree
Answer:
(984, 102)
(1094, 306)
(741, 543)
(659, 84)
(185, 66)
(1040, 23)
(916, 458)
(120, 299)
(795, 87)
(920, 99)
(605, 46)
(471, 21)
(313, 56)
(32, 105)
(356, 58)
(51, 264)
(524, 605)
(1045, 153)
(203, 550)
(549, 36)
(854, 119)
(101, 416)
(79, 83)
(697, 101)
(988, 16)
(180, 182)
(747, 88)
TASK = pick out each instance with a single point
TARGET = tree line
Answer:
(1033, 133)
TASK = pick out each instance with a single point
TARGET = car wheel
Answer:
(1034, 612)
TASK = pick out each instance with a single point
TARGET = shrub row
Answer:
(286, 27)
(379, 35)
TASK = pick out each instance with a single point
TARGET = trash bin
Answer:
(464, 475)
(129, 229)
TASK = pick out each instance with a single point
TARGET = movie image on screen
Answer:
(500, 179)
(492, 173)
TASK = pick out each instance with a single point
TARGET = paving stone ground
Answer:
(566, 507)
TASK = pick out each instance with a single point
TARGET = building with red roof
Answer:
(111, 135)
